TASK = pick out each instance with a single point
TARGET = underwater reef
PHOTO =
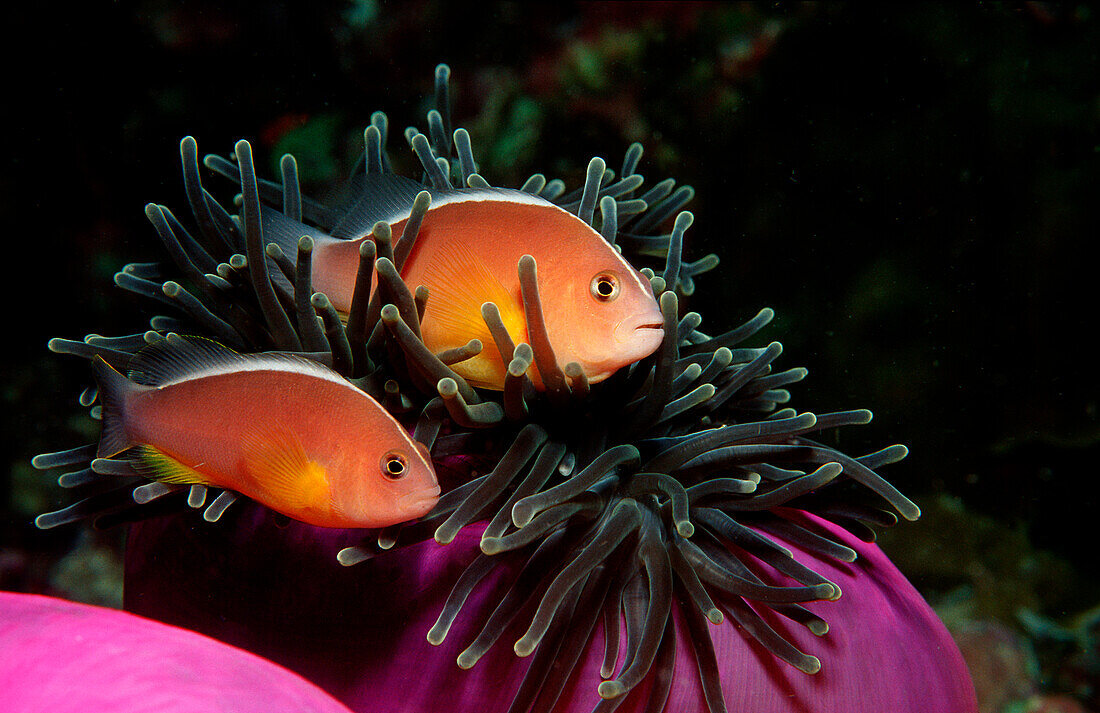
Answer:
(668, 535)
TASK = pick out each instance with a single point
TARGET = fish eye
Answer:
(604, 287)
(394, 465)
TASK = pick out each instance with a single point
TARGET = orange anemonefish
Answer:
(599, 311)
(283, 430)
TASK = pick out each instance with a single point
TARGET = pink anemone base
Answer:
(360, 632)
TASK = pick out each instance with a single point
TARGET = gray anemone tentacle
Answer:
(668, 485)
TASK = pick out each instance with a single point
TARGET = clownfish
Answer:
(283, 430)
(599, 311)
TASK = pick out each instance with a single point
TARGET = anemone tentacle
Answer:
(616, 503)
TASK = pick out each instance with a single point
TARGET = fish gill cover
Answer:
(668, 486)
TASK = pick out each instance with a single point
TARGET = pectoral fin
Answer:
(459, 283)
(278, 466)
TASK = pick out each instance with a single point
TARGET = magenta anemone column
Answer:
(360, 632)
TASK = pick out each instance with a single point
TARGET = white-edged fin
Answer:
(377, 197)
(114, 391)
(176, 359)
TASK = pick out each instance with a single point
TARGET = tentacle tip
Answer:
(683, 220)
(521, 516)
(715, 616)
(305, 244)
(382, 231)
(611, 689)
(818, 628)
(524, 647)
(436, 637)
(686, 529)
(350, 556)
(390, 314)
(910, 511)
(518, 367)
(466, 660)
(491, 545)
(42, 522)
(809, 664)
(444, 536)
(447, 387)
(834, 593)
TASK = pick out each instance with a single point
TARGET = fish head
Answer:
(604, 316)
(390, 482)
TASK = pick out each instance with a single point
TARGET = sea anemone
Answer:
(642, 511)
(127, 663)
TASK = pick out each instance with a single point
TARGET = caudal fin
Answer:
(114, 389)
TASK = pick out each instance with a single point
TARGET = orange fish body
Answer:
(286, 432)
(598, 310)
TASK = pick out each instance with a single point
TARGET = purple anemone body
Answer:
(63, 657)
(360, 632)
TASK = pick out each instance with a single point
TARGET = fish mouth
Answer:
(643, 332)
(419, 502)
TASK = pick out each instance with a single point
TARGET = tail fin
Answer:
(114, 389)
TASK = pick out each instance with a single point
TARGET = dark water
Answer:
(911, 189)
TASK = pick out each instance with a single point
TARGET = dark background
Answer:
(911, 187)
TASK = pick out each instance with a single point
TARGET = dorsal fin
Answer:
(373, 198)
(285, 232)
(177, 358)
